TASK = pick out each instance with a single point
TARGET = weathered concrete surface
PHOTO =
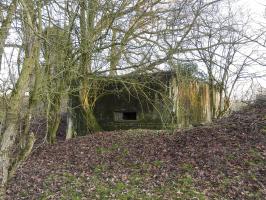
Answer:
(261, 98)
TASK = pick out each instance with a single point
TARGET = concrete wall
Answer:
(191, 102)
(176, 104)
(152, 111)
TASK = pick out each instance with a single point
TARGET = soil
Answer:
(222, 160)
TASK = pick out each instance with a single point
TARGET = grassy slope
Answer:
(223, 161)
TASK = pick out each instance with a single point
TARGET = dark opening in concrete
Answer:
(129, 116)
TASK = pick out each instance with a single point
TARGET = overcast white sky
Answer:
(257, 11)
(257, 7)
(254, 4)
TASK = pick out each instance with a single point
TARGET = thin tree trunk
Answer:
(212, 98)
(54, 118)
(70, 129)
(6, 24)
(70, 132)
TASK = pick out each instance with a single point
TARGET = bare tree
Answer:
(224, 35)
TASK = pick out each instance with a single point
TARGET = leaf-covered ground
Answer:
(225, 160)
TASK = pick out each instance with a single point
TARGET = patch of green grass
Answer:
(255, 194)
(70, 187)
(256, 158)
(99, 169)
(118, 189)
(104, 150)
(182, 188)
(139, 185)
(135, 186)
(125, 152)
(137, 178)
(158, 163)
(187, 167)
(137, 167)
(225, 183)
(24, 194)
(230, 157)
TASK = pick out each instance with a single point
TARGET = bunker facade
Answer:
(157, 101)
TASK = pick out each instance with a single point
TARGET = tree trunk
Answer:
(220, 109)
(212, 98)
(9, 141)
(70, 129)
(85, 120)
(6, 24)
(10, 133)
(70, 132)
(54, 117)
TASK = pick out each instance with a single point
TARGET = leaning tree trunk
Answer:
(10, 133)
(11, 153)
